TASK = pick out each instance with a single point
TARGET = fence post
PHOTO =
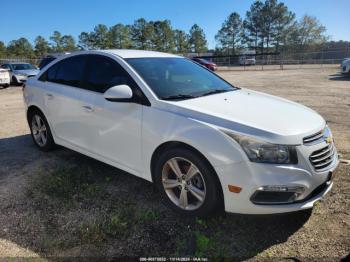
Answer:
(281, 61)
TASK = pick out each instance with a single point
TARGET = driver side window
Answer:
(103, 72)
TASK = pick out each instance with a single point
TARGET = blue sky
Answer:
(28, 19)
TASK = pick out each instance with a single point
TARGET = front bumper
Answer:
(252, 176)
(345, 68)
(21, 78)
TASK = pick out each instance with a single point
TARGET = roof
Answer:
(17, 63)
(128, 53)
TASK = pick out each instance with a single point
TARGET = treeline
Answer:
(268, 26)
(148, 35)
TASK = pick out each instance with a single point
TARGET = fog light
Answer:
(276, 194)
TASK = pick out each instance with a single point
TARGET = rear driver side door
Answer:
(115, 126)
(68, 105)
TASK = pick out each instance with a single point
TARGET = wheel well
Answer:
(31, 109)
(175, 144)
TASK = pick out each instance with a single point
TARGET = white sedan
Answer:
(4, 78)
(205, 143)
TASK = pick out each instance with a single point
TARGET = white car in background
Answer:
(20, 71)
(205, 143)
(345, 66)
(4, 78)
(247, 60)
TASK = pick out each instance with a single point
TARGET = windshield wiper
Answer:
(179, 96)
(216, 91)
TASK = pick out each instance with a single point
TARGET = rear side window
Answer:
(51, 73)
(45, 61)
(103, 73)
(70, 71)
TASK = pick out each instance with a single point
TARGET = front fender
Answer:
(161, 126)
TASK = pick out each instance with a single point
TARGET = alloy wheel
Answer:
(183, 183)
(39, 130)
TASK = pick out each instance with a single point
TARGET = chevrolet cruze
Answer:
(205, 143)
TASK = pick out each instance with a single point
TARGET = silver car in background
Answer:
(345, 66)
(19, 72)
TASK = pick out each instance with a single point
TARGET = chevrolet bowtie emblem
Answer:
(328, 139)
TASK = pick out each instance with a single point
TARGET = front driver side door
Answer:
(116, 126)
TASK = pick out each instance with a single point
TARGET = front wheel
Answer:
(40, 131)
(14, 81)
(187, 182)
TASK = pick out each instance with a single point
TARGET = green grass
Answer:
(146, 216)
(65, 183)
(92, 232)
(202, 244)
(116, 225)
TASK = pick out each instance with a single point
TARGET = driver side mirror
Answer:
(119, 93)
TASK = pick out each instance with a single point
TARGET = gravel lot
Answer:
(65, 204)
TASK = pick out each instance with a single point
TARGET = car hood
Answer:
(28, 72)
(253, 113)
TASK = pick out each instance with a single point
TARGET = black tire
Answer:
(212, 201)
(14, 81)
(49, 143)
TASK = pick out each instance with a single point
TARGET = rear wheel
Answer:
(187, 182)
(40, 131)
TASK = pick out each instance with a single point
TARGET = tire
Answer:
(14, 80)
(40, 131)
(200, 188)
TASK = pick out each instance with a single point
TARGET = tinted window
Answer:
(51, 73)
(103, 73)
(6, 66)
(46, 61)
(69, 71)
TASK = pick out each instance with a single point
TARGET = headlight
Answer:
(263, 152)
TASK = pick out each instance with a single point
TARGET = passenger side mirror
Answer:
(120, 93)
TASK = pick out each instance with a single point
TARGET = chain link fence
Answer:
(35, 61)
(282, 61)
(266, 61)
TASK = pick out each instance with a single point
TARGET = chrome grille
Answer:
(313, 139)
(323, 157)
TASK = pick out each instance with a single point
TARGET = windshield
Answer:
(178, 78)
(23, 66)
(201, 60)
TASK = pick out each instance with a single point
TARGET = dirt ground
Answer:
(65, 204)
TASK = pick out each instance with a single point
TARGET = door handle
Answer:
(88, 109)
(49, 96)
